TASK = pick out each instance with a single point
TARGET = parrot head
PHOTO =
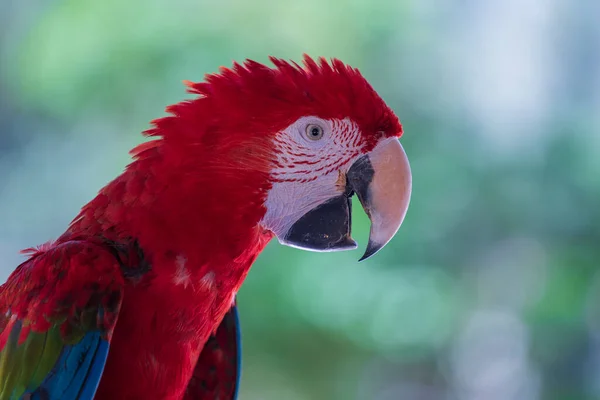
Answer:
(309, 137)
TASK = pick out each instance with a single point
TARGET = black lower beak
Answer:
(325, 228)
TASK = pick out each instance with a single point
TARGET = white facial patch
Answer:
(309, 172)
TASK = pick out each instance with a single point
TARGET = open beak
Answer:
(382, 181)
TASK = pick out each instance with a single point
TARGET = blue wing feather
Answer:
(77, 372)
(238, 342)
(95, 371)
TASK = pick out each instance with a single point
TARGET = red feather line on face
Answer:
(250, 101)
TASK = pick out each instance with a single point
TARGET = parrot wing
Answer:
(218, 370)
(57, 315)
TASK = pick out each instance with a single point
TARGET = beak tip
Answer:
(372, 248)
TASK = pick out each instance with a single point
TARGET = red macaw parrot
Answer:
(136, 300)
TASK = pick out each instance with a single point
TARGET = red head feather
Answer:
(253, 99)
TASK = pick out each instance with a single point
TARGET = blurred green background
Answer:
(491, 289)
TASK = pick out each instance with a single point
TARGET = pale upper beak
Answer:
(382, 181)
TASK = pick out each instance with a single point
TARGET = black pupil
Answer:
(315, 131)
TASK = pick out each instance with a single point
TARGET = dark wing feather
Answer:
(218, 370)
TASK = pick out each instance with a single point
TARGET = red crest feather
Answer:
(253, 99)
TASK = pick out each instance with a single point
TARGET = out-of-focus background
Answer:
(491, 289)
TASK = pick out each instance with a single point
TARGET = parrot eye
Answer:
(314, 132)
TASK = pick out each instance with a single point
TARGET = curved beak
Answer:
(382, 181)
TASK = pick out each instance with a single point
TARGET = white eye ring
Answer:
(314, 132)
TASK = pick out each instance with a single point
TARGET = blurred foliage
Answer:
(491, 288)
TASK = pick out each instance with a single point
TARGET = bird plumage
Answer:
(138, 292)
